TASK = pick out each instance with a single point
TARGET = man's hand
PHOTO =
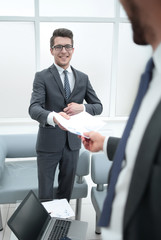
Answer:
(63, 115)
(73, 108)
(94, 142)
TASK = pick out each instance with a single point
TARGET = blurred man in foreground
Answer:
(133, 204)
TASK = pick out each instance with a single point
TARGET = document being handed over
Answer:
(80, 123)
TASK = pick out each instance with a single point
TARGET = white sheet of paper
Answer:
(59, 208)
(80, 123)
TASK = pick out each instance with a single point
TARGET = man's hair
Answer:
(61, 32)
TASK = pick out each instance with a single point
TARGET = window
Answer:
(17, 8)
(79, 8)
(103, 49)
(17, 63)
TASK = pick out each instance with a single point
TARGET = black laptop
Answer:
(31, 221)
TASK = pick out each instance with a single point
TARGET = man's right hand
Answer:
(63, 115)
(94, 141)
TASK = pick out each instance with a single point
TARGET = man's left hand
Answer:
(73, 108)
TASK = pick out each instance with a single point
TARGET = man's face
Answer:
(62, 57)
(138, 15)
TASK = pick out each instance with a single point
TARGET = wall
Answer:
(104, 49)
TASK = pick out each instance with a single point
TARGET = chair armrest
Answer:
(83, 163)
(100, 167)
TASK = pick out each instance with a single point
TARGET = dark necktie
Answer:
(120, 152)
(66, 85)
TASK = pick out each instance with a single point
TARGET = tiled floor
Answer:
(88, 215)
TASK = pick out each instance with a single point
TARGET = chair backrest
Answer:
(23, 146)
(16, 146)
(19, 145)
(100, 167)
(83, 163)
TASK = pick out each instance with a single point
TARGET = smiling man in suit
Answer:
(132, 208)
(62, 92)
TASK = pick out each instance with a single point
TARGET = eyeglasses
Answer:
(59, 48)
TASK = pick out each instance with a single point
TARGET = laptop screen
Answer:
(29, 219)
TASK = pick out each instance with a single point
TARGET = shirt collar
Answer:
(157, 58)
(60, 69)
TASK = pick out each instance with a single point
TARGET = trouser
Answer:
(47, 164)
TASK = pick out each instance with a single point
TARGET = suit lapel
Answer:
(76, 81)
(56, 76)
(144, 161)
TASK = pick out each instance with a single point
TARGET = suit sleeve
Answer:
(94, 105)
(37, 104)
(111, 147)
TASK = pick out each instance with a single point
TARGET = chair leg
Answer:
(97, 229)
(78, 209)
(1, 227)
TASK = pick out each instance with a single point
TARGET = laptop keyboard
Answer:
(59, 230)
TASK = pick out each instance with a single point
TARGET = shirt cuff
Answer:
(105, 145)
(50, 120)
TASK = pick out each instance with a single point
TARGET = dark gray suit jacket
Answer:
(142, 216)
(48, 95)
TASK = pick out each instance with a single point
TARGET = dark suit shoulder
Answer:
(44, 74)
(81, 74)
(46, 70)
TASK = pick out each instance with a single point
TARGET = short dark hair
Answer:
(61, 32)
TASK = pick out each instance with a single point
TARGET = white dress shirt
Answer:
(149, 103)
(70, 74)
(71, 79)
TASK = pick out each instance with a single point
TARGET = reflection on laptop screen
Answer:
(29, 219)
